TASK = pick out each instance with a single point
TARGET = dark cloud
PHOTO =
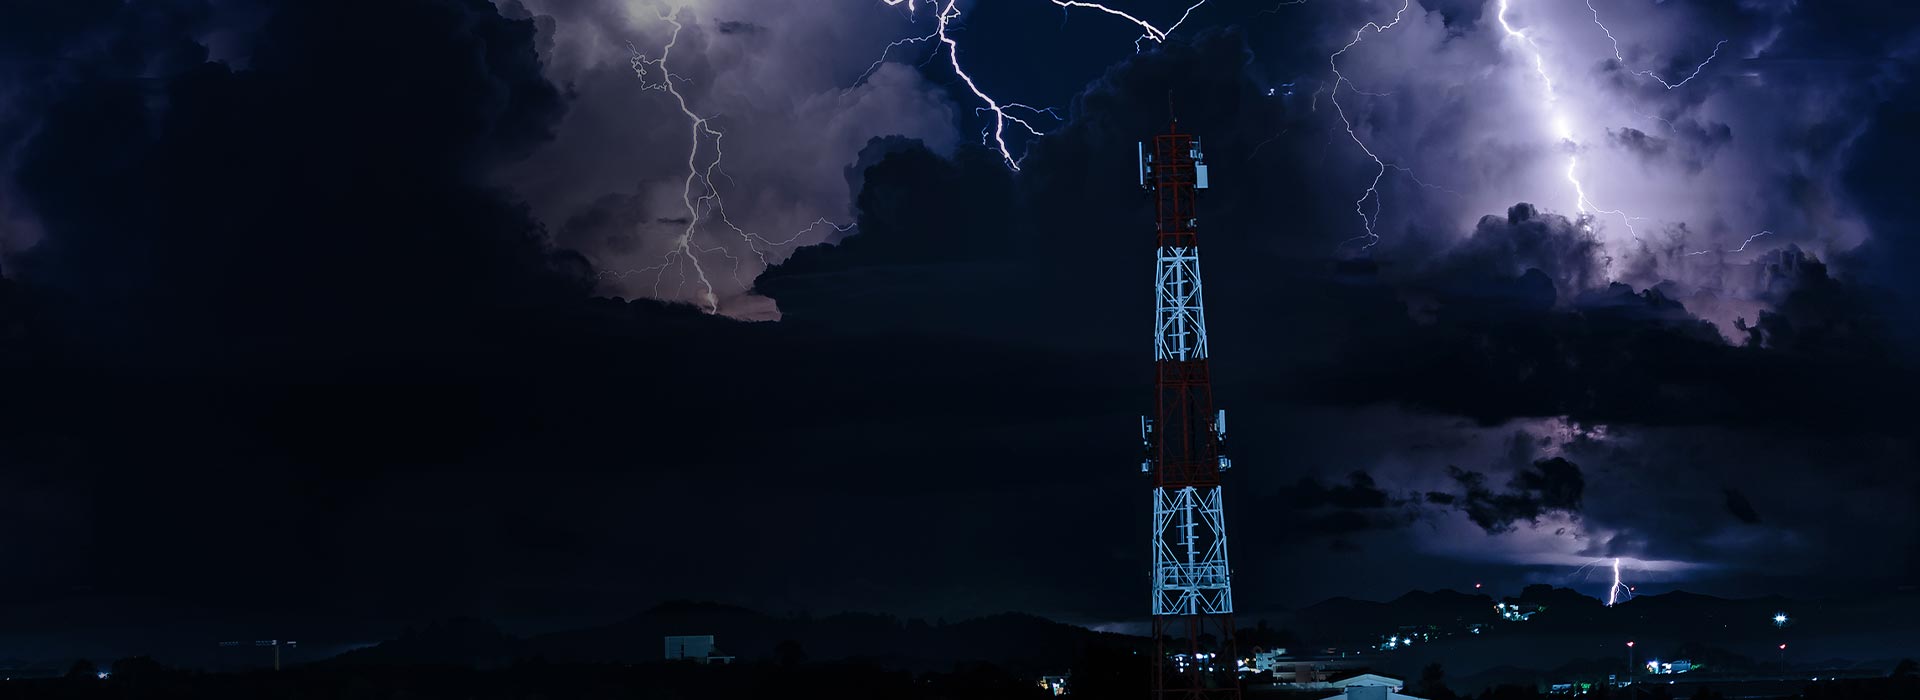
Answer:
(1311, 509)
(347, 163)
(1548, 485)
(1688, 143)
(436, 419)
(930, 229)
(1358, 493)
(1524, 241)
(794, 88)
(1638, 141)
(1512, 346)
(1817, 316)
(1517, 320)
(1740, 508)
(1882, 157)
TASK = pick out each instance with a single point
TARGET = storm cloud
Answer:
(1553, 484)
(793, 92)
(349, 268)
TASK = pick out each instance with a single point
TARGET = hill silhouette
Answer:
(1011, 640)
(1570, 635)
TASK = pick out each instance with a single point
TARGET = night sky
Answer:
(329, 317)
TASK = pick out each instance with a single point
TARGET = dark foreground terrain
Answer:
(1101, 674)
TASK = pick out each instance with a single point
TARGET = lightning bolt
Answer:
(996, 135)
(1372, 192)
(1741, 249)
(1743, 244)
(1368, 205)
(683, 255)
(1153, 33)
(1562, 128)
(883, 58)
(1613, 592)
(1284, 3)
(1647, 73)
(1663, 120)
(1618, 56)
(1618, 587)
(945, 13)
(684, 249)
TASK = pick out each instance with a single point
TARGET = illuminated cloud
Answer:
(778, 79)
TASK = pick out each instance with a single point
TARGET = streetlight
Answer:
(1629, 663)
(1783, 655)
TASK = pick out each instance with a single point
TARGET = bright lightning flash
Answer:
(944, 15)
(1619, 587)
(1647, 73)
(1562, 128)
(1153, 33)
(1613, 593)
(1741, 249)
(1367, 221)
(1367, 206)
(947, 11)
(699, 193)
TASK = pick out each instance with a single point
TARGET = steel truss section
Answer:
(1181, 321)
(1190, 572)
(1193, 628)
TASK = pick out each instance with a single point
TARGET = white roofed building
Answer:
(1369, 686)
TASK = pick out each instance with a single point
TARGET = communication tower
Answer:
(1192, 590)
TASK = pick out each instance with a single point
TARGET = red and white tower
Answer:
(1192, 591)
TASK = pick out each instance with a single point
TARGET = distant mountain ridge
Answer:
(1012, 640)
(1566, 611)
(1570, 632)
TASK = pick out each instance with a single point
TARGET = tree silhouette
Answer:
(789, 653)
(1433, 683)
(137, 667)
(83, 670)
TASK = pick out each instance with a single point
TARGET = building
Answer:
(1266, 660)
(1056, 685)
(695, 648)
(1517, 611)
(1368, 686)
(1656, 666)
(1311, 674)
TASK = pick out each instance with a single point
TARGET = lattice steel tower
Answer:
(1192, 591)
